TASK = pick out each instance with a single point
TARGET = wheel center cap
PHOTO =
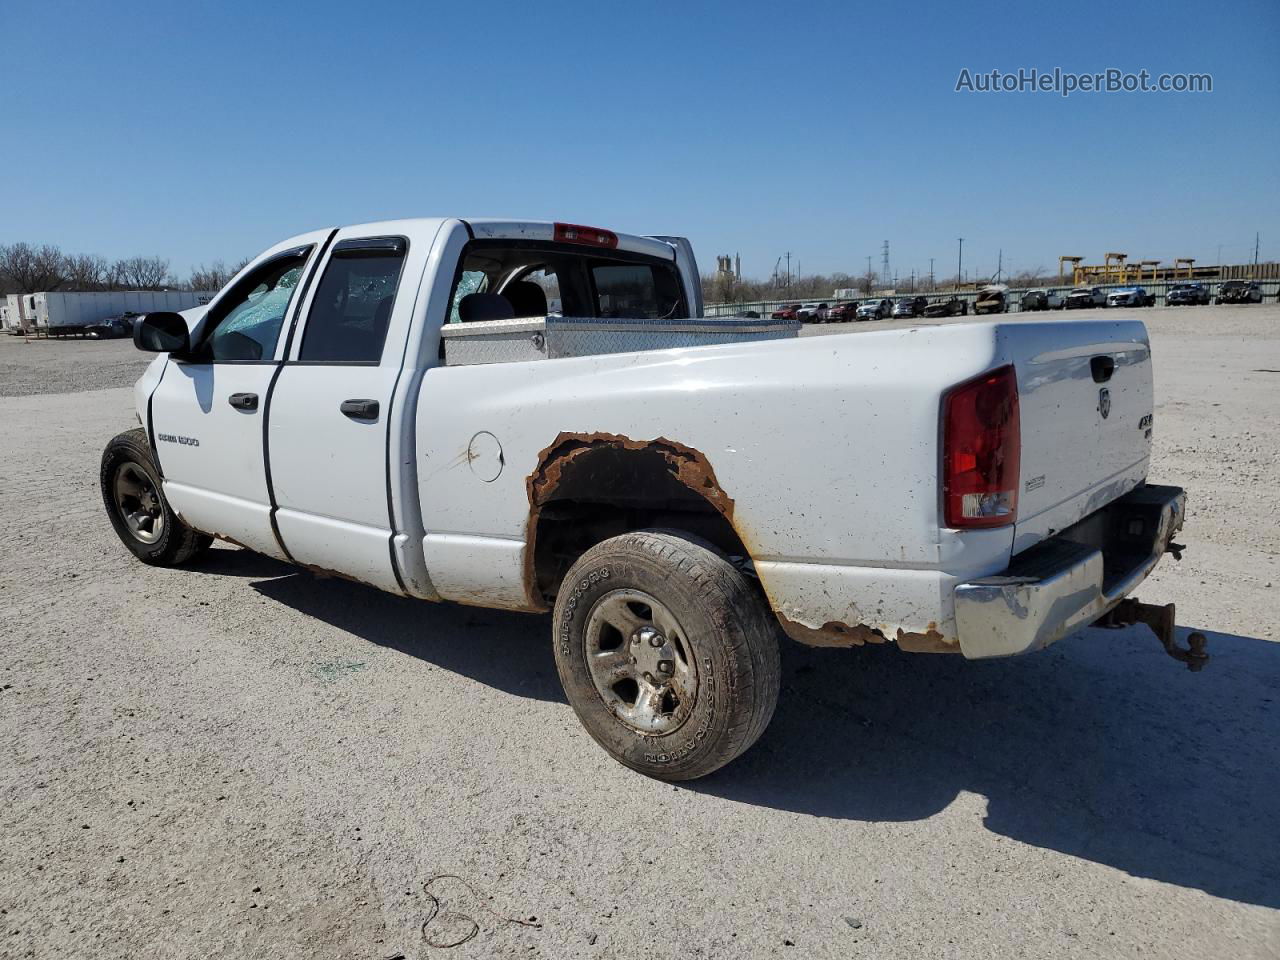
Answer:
(649, 653)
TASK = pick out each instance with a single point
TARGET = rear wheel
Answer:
(136, 506)
(667, 653)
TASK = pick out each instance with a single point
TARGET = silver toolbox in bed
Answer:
(545, 338)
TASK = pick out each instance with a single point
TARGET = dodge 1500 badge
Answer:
(538, 417)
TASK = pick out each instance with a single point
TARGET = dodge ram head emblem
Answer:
(1104, 402)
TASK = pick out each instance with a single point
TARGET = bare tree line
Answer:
(26, 268)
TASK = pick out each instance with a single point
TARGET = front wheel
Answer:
(667, 653)
(135, 503)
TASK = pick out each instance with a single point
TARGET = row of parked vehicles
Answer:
(995, 298)
(1082, 298)
(877, 308)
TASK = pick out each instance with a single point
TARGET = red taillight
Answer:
(981, 447)
(591, 236)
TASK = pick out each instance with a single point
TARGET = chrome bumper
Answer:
(1069, 581)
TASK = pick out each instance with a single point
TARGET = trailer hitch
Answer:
(1161, 621)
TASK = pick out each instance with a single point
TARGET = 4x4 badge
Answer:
(1104, 402)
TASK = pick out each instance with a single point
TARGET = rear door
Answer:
(332, 407)
(207, 411)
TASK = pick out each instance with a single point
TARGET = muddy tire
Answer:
(667, 653)
(136, 506)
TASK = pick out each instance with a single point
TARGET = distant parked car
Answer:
(876, 309)
(993, 298)
(1131, 297)
(1085, 298)
(1187, 293)
(910, 307)
(841, 312)
(1043, 299)
(1239, 291)
(786, 313)
(812, 312)
(110, 328)
(952, 307)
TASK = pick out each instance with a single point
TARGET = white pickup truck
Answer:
(536, 416)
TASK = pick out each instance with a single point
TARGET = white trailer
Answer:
(18, 307)
(59, 313)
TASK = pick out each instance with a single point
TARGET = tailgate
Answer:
(1085, 402)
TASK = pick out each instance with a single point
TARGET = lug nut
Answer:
(665, 666)
(656, 640)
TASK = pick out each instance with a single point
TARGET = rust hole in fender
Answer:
(684, 463)
(656, 482)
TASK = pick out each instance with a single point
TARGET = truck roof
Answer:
(496, 228)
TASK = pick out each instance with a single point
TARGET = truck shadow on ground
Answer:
(507, 651)
(1101, 747)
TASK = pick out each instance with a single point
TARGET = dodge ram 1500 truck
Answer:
(536, 416)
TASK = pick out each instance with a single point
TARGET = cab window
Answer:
(352, 307)
(638, 291)
(515, 279)
(245, 325)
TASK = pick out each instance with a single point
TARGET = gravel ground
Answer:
(240, 760)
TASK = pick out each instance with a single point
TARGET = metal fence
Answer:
(1270, 290)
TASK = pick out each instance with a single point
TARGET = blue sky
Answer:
(212, 131)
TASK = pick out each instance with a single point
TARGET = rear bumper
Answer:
(1067, 582)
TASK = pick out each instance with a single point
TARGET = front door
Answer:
(331, 409)
(207, 411)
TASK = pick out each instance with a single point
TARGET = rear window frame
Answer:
(585, 258)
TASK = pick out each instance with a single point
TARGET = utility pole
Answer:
(931, 273)
(788, 270)
(869, 273)
(959, 263)
(1255, 249)
(885, 264)
(999, 264)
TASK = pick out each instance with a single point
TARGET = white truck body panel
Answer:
(337, 519)
(822, 556)
(1085, 458)
(219, 483)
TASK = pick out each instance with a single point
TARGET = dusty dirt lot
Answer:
(240, 760)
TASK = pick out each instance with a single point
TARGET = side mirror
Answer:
(162, 333)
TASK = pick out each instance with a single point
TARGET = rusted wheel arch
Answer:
(612, 479)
